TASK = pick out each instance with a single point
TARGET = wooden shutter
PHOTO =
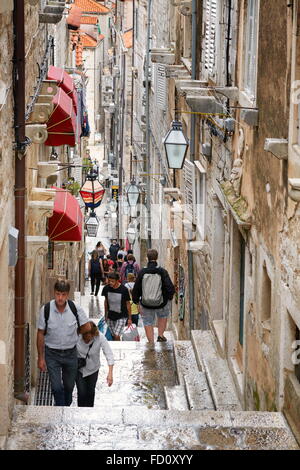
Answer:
(161, 86)
(251, 47)
(189, 189)
(210, 41)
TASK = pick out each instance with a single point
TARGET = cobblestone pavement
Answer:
(133, 414)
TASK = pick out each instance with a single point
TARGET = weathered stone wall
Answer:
(261, 168)
(7, 214)
(7, 220)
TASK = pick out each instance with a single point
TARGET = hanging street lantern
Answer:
(133, 194)
(176, 146)
(92, 225)
(92, 192)
(131, 234)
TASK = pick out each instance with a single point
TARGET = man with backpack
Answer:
(153, 289)
(59, 323)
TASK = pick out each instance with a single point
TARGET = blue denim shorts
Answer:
(148, 314)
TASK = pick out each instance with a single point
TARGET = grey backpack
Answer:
(152, 295)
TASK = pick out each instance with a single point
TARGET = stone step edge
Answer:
(199, 392)
(179, 389)
(207, 365)
(244, 419)
(181, 371)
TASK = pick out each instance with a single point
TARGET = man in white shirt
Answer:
(56, 342)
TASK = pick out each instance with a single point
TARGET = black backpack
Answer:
(47, 313)
(129, 269)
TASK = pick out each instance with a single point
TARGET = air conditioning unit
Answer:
(36, 132)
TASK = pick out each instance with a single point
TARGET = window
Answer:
(251, 44)
(200, 199)
(266, 296)
(242, 289)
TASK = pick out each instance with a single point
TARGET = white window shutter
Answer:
(210, 40)
(161, 86)
(251, 47)
(189, 189)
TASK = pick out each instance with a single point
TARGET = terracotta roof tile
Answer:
(90, 6)
(89, 20)
(88, 41)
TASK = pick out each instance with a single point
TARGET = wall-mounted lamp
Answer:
(176, 146)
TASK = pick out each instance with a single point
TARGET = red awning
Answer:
(64, 81)
(61, 125)
(66, 223)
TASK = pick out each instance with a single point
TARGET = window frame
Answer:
(251, 49)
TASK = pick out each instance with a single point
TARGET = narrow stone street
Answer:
(164, 397)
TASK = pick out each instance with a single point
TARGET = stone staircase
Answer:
(205, 382)
(165, 397)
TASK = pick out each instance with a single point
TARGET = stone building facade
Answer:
(231, 77)
(47, 42)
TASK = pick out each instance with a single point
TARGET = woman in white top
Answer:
(88, 348)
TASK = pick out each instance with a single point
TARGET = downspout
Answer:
(121, 170)
(192, 158)
(147, 109)
(20, 191)
(132, 85)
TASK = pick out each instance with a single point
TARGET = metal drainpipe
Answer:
(121, 170)
(192, 157)
(132, 85)
(148, 165)
(19, 123)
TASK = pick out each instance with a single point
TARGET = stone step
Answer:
(198, 394)
(176, 398)
(186, 363)
(217, 371)
(137, 428)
